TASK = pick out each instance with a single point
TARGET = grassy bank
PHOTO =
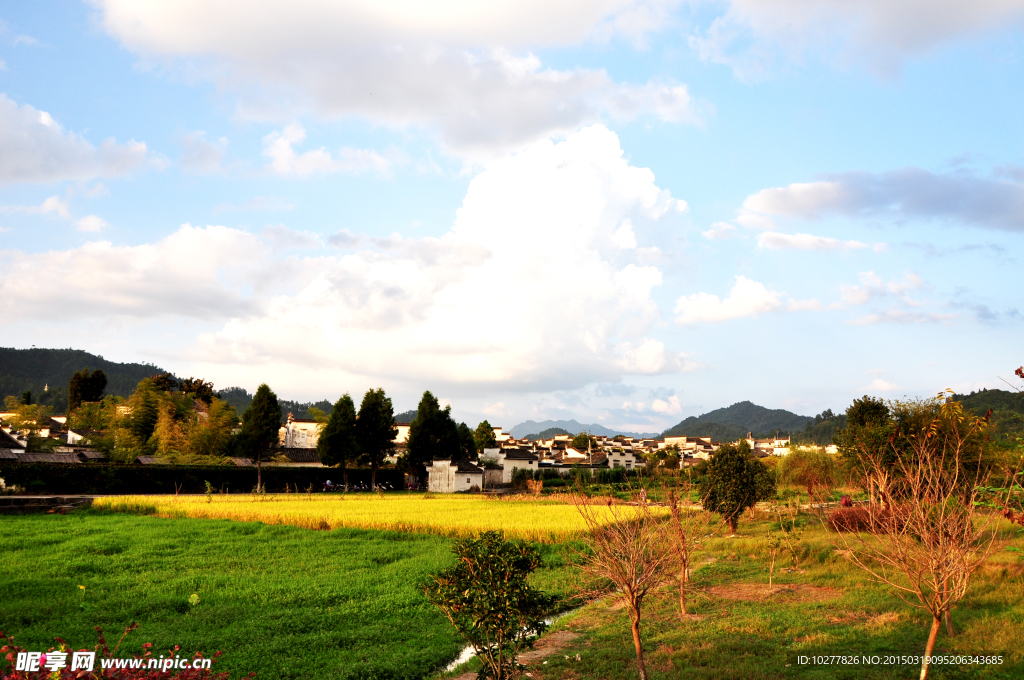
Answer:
(445, 514)
(281, 601)
(823, 606)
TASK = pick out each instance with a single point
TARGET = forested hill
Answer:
(1007, 410)
(23, 370)
(727, 424)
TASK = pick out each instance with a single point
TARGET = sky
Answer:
(625, 212)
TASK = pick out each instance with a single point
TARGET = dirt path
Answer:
(546, 646)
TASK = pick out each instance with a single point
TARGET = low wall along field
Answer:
(447, 515)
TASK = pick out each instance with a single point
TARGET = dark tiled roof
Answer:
(90, 454)
(48, 458)
(8, 454)
(151, 460)
(297, 455)
(518, 454)
(241, 462)
(466, 466)
(9, 442)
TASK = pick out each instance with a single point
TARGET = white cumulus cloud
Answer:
(777, 241)
(34, 148)
(91, 223)
(530, 289)
(279, 147)
(746, 298)
(461, 70)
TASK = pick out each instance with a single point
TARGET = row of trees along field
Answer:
(348, 437)
(187, 422)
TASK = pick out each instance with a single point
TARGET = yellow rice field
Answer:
(447, 515)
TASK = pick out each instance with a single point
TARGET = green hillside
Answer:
(23, 370)
(1007, 410)
(726, 424)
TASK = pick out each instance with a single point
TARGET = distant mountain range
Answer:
(734, 422)
(533, 427)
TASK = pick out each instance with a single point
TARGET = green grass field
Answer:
(824, 607)
(289, 602)
(281, 601)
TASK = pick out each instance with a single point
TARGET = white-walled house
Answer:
(513, 459)
(299, 433)
(444, 476)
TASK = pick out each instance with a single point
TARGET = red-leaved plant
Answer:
(9, 652)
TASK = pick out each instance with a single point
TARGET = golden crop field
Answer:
(447, 515)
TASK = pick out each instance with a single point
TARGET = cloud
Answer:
(51, 206)
(91, 223)
(529, 290)
(719, 230)
(462, 71)
(901, 316)
(199, 155)
(754, 36)
(671, 407)
(907, 194)
(872, 286)
(100, 279)
(34, 148)
(278, 146)
(747, 298)
(883, 385)
(281, 237)
(776, 241)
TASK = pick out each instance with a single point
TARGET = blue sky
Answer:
(624, 212)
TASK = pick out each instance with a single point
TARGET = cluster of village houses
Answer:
(495, 466)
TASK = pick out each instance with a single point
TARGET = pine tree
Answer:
(260, 425)
(337, 444)
(375, 430)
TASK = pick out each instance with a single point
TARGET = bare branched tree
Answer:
(689, 526)
(627, 554)
(928, 534)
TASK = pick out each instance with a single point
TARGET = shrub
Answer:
(488, 599)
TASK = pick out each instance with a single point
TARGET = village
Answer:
(494, 467)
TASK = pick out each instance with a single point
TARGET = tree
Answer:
(864, 443)
(812, 469)
(375, 430)
(433, 435)
(261, 423)
(689, 525)
(200, 389)
(337, 443)
(583, 441)
(467, 443)
(932, 533)
(484, 436)
(730, 485)
(165, 382)
(488, 598)
(85, 386)
(627, 555)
